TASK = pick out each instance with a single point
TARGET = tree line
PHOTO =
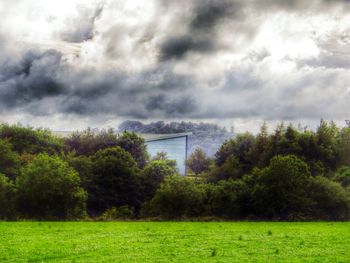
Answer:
(288, 174)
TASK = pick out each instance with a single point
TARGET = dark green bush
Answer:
(116, 180)
(9, 160)
(7, 198)
(179, 196)
(330, 200)
(281, 189)
(154, 174)
(49, 189)
(29, 140)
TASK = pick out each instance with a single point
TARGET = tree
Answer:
(9, 160)
(163, 156)
(179, 196)
(224, 198)
(116, 180)
(28, 140)
(7, 197)
(326, 137)
(198, 161)
(89, 141)
(343, 146)
(342, 176)
(240, 148)
(135, 145)
(282, 188)
(259, 151)
(230, 169)
(154, 174)
(83, 165)
(330, 200)
(49, 189)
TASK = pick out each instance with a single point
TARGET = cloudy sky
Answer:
(69, 64)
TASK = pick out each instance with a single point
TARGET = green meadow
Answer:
(174, 242)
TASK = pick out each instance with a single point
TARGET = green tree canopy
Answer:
(154, 174)
(9, 160)
(7, 198)
(282, 188)
(198, 161)
(179, 196)
(116, 180)
(135, 145)
(29, 140)
(49, 189)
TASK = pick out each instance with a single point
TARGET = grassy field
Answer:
(174, 242)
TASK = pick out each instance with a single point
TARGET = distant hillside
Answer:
(207, 136)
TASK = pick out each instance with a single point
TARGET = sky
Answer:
(70, 64)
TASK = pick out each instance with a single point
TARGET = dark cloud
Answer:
(208, 13)
(34, 77)
(82, 27)
(300, 5)
(43, 80)
(177, 47)
(205, 16)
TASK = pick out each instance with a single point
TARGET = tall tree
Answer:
(198, 161)
(48, 188)
(116, 180)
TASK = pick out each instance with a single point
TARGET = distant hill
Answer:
(207, 136)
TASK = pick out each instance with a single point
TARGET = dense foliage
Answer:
(198, 161)
(289, 174)
(49, 188)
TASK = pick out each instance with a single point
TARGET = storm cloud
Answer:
(223, 59)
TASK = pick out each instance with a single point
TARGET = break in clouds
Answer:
(98, 61)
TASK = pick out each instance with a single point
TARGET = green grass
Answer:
(174, 242)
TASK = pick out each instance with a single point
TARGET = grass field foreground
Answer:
(174, 242)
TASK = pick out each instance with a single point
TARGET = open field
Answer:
(174, 242)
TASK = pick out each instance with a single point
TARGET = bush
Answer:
(198, 161)
(49, 189)
(230, 169)
(136, 146)
(116, 180)
(7, 197)
(281, 190)
(179, 196)
(330, 200)
(26, 139)
(342, 176)
(154, 174)
(88, 142)
(9, 160)
(83, 165)
(123, 212)
(225, 198)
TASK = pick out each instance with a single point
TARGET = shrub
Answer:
(330, 200)
(123, 212)
(116, 180)
(342, 176)
(7, 197)
(179, 196)
(225, 198)
(281, 190)
(154, 174)
(9, 160)
(49, 189)
(198, 161)
(26, 139)
(136, 146)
